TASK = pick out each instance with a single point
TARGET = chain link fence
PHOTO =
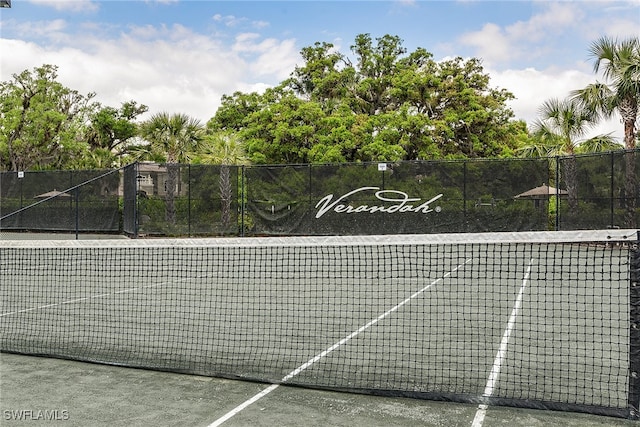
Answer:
(595, 191)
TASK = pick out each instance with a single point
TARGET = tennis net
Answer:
(537, 319)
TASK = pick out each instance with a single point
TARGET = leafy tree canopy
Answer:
(45, 125)
(40, 121)
(384, 105)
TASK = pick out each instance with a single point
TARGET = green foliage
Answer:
(41, 121)
(112, 129)
(175, 136)
(221, 148)
(619, 60)
(45, 125)
(378, 103)
(387, 105)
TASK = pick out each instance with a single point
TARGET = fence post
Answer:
(77, 202)
(634, 332)
(557, 158)
(464, 195)
(612, 197)
(189, 199)
(136, 195)
(242, 194)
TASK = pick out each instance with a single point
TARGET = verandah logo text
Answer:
(399, 202)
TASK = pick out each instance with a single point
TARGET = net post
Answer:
(634, 331)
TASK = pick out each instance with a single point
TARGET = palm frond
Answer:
(599, 143)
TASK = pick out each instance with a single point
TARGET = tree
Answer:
(44, 124)
(620, 63)
(225, 149)
(384, 105)
(222, 148)
(377, 65)
(111, 129)
(560, 131)
(470, 118)
(321, 78)
(41, 121)
(176, 136)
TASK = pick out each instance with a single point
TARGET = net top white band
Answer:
(621, 235)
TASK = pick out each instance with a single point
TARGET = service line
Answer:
(502, 352)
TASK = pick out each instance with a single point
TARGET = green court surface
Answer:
(93, 395)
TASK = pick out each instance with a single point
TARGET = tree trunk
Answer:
(629, 112)
(225, 195)
(570, 166)
(170, 207)
(630, 189)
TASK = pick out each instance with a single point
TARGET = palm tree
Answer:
(224, 149)
(620, 93)
(560, 131)
(176, 136)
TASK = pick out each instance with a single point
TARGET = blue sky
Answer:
(182, 56)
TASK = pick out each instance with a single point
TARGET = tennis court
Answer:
(476, 319)
(102, 395)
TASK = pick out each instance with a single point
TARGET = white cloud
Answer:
(533, 87)
(279, 58)
(144, 32)
(229, 20)
(556, 18)
(69, 5)
(614, 27)
(275, 57)
(522, 39)
(260, 24)
(22, 57)
(168, 68)
(52, 30)
(538, 37)
(491, 44)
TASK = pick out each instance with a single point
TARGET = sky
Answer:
(182, 56)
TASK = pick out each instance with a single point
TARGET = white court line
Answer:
(502, 351)
(97, 296)
(324, 353)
